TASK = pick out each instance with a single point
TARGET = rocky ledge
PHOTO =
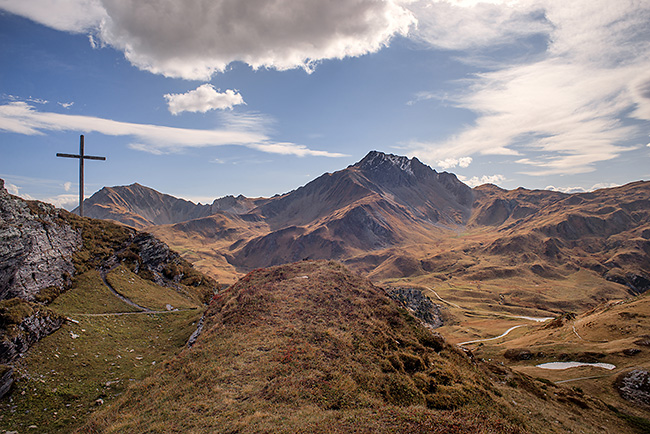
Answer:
(36, 248)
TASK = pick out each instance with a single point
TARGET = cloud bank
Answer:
(21, 118)
(203, 99)
(195, 39)
(563, 86)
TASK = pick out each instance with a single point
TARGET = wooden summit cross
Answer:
(81, 158)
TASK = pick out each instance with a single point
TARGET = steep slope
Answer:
(382, 201)
(140, 206)
(34, 241)
(411, 187)
(309, 347)
(494, 206)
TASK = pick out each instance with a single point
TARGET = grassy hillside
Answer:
(104, 347)
(309, 347)
(132, 305)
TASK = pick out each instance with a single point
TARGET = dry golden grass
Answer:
(602, 334)
(309, 347)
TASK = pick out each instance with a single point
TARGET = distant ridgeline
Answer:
(370, 214)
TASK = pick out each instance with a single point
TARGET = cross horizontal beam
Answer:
(87, 157)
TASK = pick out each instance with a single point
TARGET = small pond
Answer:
(567, 365)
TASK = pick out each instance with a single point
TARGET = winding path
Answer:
(443, 300)
(147, 312)
(494, 338)
(126, 300)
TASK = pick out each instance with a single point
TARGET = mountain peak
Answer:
(376, 160)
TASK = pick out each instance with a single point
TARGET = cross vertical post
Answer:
(82, 156)
(81, 175)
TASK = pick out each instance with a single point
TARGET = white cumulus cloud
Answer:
(485, 179)
(203, 99)
(580, 189)
(12, 188)
(450, 163)
(195, 39)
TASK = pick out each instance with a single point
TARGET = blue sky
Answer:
(213, 97)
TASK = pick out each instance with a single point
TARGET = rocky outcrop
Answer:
(18, 334)
(636, 283)
(36, 248)
(419, 305)
(154, 253)
(634, 386)
(22, 324)
(6, 379)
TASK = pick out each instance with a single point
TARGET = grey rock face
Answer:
(634, 386)
(6, 379)
(419, 305)
(22, 336)
(155, 254)
(36, 248)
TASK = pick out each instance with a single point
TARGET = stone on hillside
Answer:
(634, 386)
(6, 379)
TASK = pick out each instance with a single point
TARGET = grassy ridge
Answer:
(309, 347)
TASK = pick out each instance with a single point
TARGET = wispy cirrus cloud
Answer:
(193, 40)
(21, 118)
(560, 110)
(202, 99)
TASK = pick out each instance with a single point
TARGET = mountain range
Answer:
(390, 216)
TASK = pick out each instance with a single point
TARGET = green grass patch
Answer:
(14, 310)
(61, 380)
(146, 293)
(83, 366)
(89, 295)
